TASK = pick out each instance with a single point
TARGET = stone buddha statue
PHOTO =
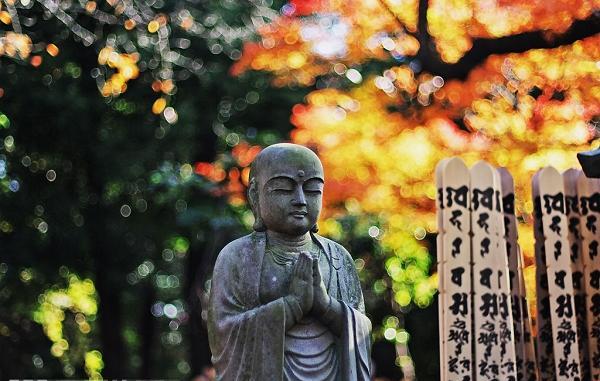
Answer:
(286, 303)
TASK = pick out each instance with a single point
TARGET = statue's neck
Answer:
(289, 242)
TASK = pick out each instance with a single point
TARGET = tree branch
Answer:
(484, 47)
(389, 11)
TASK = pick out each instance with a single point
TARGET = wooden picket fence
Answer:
(485, 326)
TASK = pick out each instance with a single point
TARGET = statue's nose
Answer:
(299, 199)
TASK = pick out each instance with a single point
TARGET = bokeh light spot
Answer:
(125, 210)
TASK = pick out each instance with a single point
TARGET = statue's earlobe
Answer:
(259, 224)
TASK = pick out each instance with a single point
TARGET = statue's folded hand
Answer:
(301, 286)
(321, 297)
(325, 308)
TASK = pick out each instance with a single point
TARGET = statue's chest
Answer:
(274, 280)
(276, 276)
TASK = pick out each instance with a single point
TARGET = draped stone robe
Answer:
(247, 339)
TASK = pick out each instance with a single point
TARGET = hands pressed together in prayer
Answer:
(308, 295)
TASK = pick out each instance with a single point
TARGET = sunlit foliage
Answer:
(126, 69)
(391, 155)
(381, 140)
(454, 24)
(308, 41)
(106, 106)
(302, 45)
(63, 311)
(15, 45)
(380, 132)
(385, 160)
(131, 37)
(378, 120)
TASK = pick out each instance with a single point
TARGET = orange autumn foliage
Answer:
(381, 135)
(298, 49)
(520, 111)
(311, 36)
(454, 24)
(386, 159)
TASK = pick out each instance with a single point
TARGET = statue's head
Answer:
(286, 189)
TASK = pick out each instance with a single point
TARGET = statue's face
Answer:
(290, 186)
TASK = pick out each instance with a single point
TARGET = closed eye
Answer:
(280, 185)
(313, 186)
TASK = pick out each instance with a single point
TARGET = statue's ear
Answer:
(259, 224)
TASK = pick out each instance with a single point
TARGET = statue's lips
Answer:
(298, 214)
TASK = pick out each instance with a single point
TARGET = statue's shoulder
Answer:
(343, 262)
(236, 249)
(335, 247)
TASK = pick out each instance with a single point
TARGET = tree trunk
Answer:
(147, 331)
(203, 255)
(482, 48)
(109, 319)
(109, 293)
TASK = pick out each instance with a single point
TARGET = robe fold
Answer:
(247, 339)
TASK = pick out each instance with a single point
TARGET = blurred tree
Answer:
(106, 233)
(397, 86)
(109, 108)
